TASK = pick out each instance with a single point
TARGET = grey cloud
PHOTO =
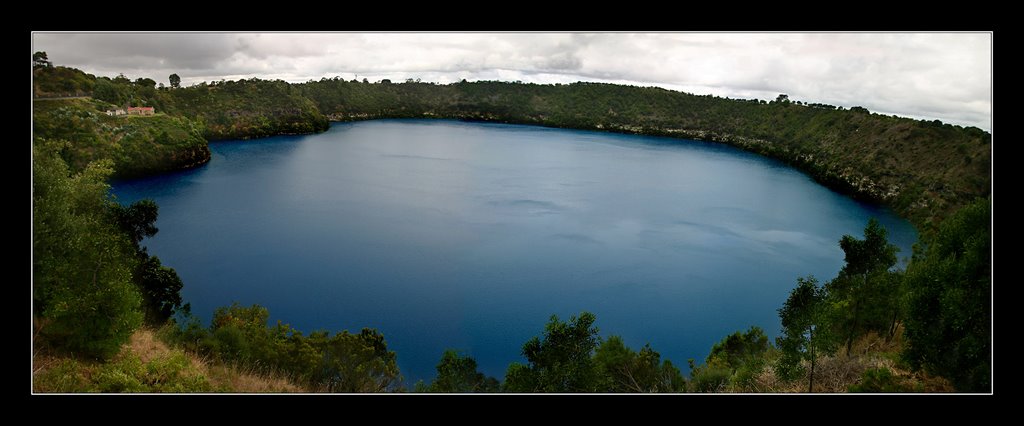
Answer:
(136, 51)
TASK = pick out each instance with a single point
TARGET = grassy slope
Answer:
(837, 373)
(138, 145)
(146, 364)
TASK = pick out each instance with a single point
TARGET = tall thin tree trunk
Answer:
(853, 328)
(892, 326)
(856, 315)
(810, 383)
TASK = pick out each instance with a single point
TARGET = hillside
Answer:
(137, 145)
(146, 364)
(925, 170)
(245, 109)
(872, 328)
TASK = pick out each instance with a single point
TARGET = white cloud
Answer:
(947, 76)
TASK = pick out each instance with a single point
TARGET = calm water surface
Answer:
(445, 234)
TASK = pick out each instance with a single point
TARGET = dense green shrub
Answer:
(710, 379)
(344, 362)
(458, 373)
(84, 299)
(949, 290)
(882, 380)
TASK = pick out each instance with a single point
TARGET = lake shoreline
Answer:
(445, 233)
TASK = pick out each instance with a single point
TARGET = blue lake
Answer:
(445, 234)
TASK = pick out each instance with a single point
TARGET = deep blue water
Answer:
(445, 234)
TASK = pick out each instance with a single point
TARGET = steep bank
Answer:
(147, 364)
(923, 170)
(138, 145)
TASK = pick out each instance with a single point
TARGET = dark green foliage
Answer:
(161, 290)
(175, 81)
(743, 354)
(949, 289)
(881, 380)
(116, 94)
(145, 83)
(569, 357)
(51, 81)
(803, 336)
(710, 379)
(865, 295)
(623, 370)
(733, 363)
(159, 285)
(138, 220)
(357, 363)
(343, 362)
(737, 349)
(84, 298)
(870, 254)
(456, 373)
(246, 108)
(137, 145)
(39, 60)
(560, 361)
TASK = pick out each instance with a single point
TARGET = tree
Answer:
(949, 289)
(138, 220)
(344, 362)
(106, 90)
(159, 285)
(803, 337)
(560, 361)
(863, 283)
(782, 98)
(84, 299)
(39, 60)
(622, 369)
(456, 373)
(738, 348)
(742, 353)
(175, 81)
(147, 83)
(358, 363)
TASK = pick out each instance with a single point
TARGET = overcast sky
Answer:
(923, 75)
